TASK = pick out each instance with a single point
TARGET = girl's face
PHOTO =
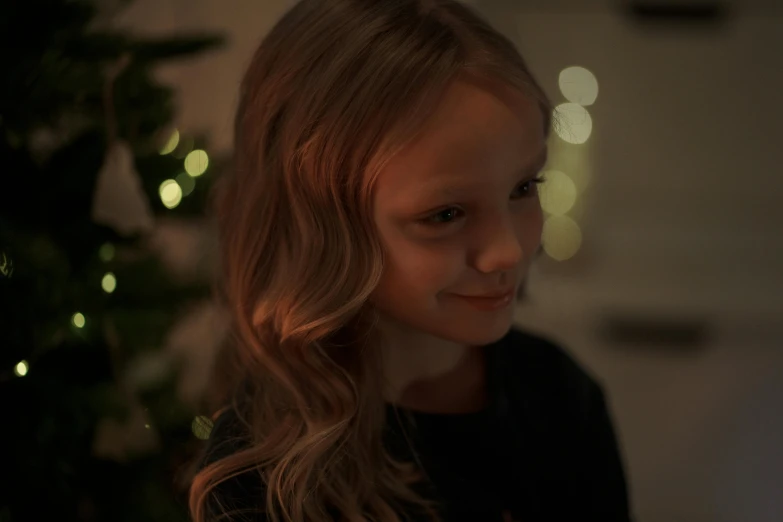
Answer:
(459, 215)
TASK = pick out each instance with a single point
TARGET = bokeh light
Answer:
(196, 162)
(171, 144)
(106, 252)
(186, 183)
(78, 320)
(558, 193)
(20, 370)
(201, 427)
(578, 85)
(109, 283)
(170, 193)
(573, 123)
(561, 237)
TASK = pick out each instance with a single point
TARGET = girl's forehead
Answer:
(472, 130)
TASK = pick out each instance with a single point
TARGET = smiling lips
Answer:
(492, 295)
(488, 302)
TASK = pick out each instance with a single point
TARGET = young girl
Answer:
(380, 219)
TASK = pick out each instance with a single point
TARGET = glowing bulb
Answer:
(106, 252)
(78, 320)
(20, 370)
(171, 144)
(558, 193)
(170, 193)
(578, 85)
(109, 283)
(561, 237)
(201, 427)
(573, 123)
(196, 162)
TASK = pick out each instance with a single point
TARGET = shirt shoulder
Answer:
(540, 355)
(562, 410)
(546, 378)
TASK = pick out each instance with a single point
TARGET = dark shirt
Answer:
(543, 449)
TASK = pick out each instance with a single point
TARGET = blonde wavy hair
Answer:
(334, 90)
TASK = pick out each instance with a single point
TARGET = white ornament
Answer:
(119, 200)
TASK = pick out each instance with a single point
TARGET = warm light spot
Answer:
(109, 283)
(196, 163)
(171, 144)
(572, 123)
(78, 320)
(558, 193)
(201, 427)
(578, 85)
(185, 182)
(20, 370)
(561, 237)
(170, 193)
(576, 161)
(106, 252)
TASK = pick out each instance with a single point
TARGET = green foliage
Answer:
(51, 267)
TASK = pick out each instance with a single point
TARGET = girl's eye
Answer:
(528, 189)
(451, 214)
(443, 217)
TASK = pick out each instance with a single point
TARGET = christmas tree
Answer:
(94, 429)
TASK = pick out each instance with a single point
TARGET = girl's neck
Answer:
(461, 390)
(432, 375)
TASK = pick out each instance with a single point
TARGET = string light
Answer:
(201, 427)
(186, 182)
(558, 194)
(106, 252)
(109, 283)
(78, 320)
(196, 162)
(573, 123)
(20, 370)
(170, 193)
(561, 238)
(171, 144)
(578, 85)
